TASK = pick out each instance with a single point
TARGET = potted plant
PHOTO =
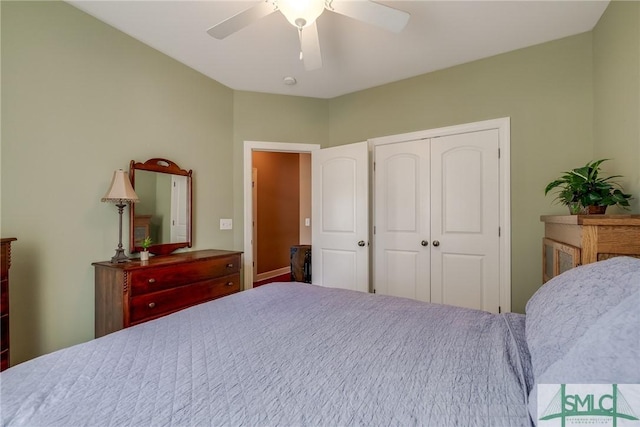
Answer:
(583, 190)
(144, 255)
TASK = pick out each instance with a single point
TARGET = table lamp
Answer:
(121, 192)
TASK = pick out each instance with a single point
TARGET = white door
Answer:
(254, 221)
(339, 188)
(443, 193)
(465, 261)
(401, 188)
(178, 208)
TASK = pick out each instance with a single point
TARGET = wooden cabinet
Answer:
(137, 291)
(301, 263)
(557, 258)
(571, 240)
(141, 228)
(5, 263)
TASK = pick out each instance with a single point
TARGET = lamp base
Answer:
(119, 256)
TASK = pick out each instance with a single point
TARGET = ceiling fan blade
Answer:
(372, 13)
(242, 19)
(310, 47)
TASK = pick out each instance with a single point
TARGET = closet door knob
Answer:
(424, 243)
(436, 243)
(361, 243)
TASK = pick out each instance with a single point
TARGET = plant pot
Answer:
(575, 208)
(596, 210)
(144, 256)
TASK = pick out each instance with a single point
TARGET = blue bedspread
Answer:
(286, 354)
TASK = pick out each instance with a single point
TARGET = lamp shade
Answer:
(301, 13)
(121, 189)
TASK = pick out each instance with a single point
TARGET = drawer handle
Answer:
(230, 265)
(152, 280)
(152, 305)
(229, 284)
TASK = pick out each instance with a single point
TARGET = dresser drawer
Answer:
(156, 304)
(4, 332)
(164, 278)
(4, 360)
(133, 292)
(4, 297)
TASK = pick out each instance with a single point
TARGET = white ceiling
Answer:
(355, 55)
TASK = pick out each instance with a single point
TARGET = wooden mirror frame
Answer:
(161, 166)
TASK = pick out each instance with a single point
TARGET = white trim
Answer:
(503, 125)
(273, 273)
(249, 147)
(444, 131)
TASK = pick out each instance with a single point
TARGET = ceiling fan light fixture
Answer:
(301, 13)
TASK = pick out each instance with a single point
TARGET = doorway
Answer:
(251, 147)
(281, 212)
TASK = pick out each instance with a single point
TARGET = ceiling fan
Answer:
(302, 14)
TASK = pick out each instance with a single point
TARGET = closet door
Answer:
(401, 188)
(465, 220)
(436, 207)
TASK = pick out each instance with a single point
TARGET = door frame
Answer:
(503, 125)
(249, 148)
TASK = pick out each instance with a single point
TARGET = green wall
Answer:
(616, 130)
(80, 99)
(547, 90)
(272, 118)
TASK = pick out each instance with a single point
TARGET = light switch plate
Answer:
(307, 222)
(226, 223)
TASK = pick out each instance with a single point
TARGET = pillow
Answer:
(563, 309)
(616, 362)
(608, 353)
(583, 327)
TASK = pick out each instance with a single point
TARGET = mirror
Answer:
(164, 210)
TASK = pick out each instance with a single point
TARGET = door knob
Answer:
(436, 243)
(361, 243)
(424, 243)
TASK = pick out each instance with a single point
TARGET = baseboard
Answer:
(273, 273)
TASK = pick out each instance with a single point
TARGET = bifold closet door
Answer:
(437, 220)
(465, 220)
(401, 252)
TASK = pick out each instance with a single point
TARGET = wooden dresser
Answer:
(5, 263)
(134, 292)
(572, 240)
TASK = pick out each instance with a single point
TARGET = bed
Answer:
(299, 354)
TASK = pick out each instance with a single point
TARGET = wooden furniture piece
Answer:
(137, 291)
(141, 228)
(572, 240)
(301, 263)
(5, 263)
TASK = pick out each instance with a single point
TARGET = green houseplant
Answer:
(583, 190)
(146, 242)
